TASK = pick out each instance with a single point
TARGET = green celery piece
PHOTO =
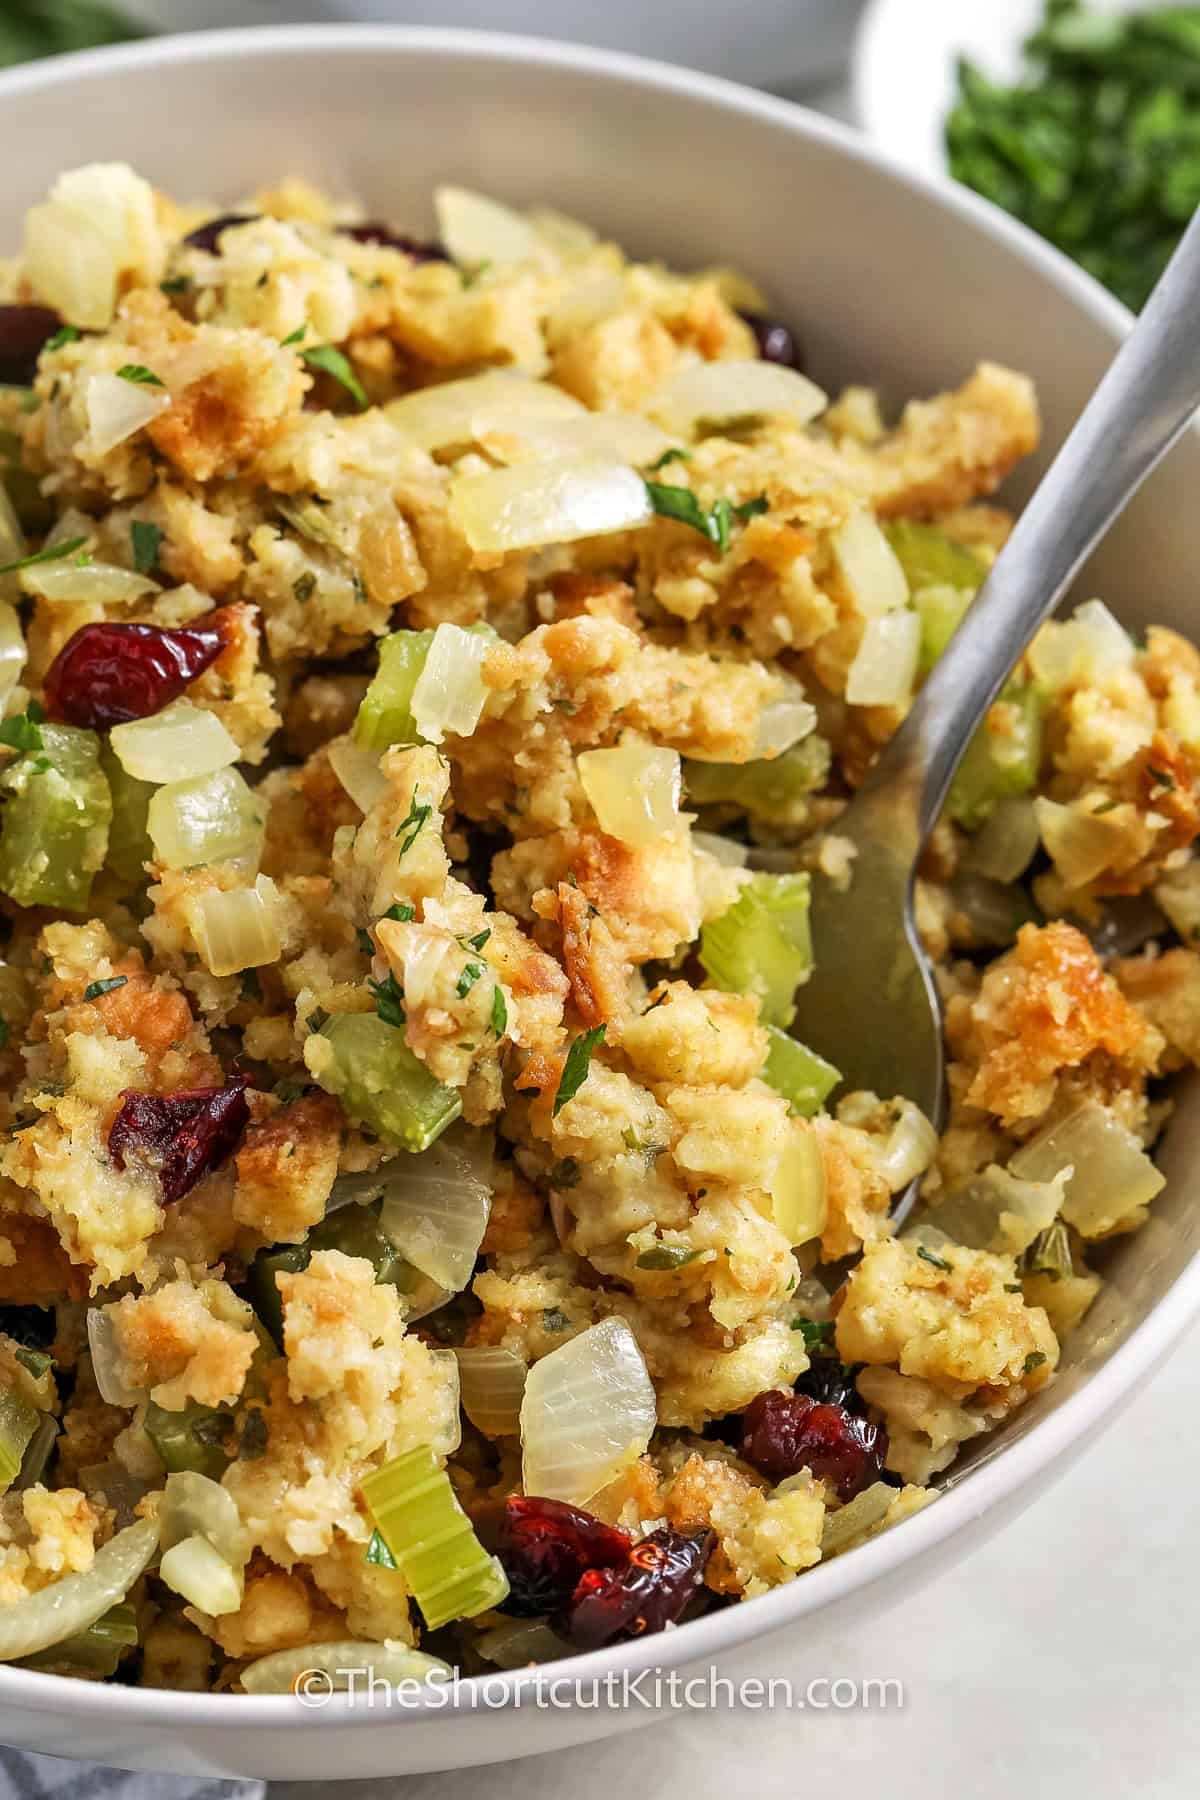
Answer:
(993, 769)
(382, 1084)
(385, 715)
(930, 558)
(262, 1289)
(129, 846)
(355, 1231)
(18, 1422)
(762, 945)
(940, 610)
(804, 1079)
(432, 1541)
(193, 1439)
(773, 792)
(55, 819)
(96, 1651)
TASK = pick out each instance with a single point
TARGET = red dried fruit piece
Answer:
(205, 236)
(652, 1589)
(24, 331)
(546, 1546)
(183, 1136)
(107, 674)
(373, 231)
(784, 1433)
(776, 341)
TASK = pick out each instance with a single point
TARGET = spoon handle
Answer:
(1140, 408)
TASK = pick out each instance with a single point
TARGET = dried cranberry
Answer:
(776, 341)
(23, 332)
(183, 1136)
(205, 237)
(374, 232)
(784, 1433)
(107, 674)
(650, 1591)
(546, 1546)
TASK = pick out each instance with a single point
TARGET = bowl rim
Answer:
(994, 1480)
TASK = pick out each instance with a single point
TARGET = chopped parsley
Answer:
(293, 337)
(666, 1256)
(66, 334)
(304, 586)
(1163, 777)
(670, 456)
(251, 986)
(317, 1019)
(672, 502)
(21, 732)
(378, 1553)
(575, 1069)
(401, 911)
(1033, 1361)
(565, 1174)
(499, 1011)
(147, 541)
(479, 940)
(554, 1319)
(418, 816)
(366, 942)
(94, 989)
(38, 1361)
(176, 284)
(389, 1001)
(818, 1333)
(939, 1262)
(52, 553)
(468, 978)
(331, 362)
(139, 375)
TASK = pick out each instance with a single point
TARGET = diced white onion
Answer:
(996, 1211)
(884, 670)
(38, 1452)
(463, 411)
(180, 743)
(437, 1217)
(342, 1663)
(566, 236)
(589, 1411)
(798, 1197)
(422, 951)
(784, 720)
(1112, 1175)
(12, 650)
(1007, 843)
(447, 1361)
(193, 1569)
(359, 772)
(214, 819)
(552, 502)
(493, 1383)
(1178, 894)
(12, 538)
(70, 1605)
(869, 567)
(195, 1506)
(99, 223)
(237, 929)
(449, 693)
(119, 1489)
(1081, 649)
(106, 1364)
(118, 409)
(95, 584)
(621, 437)
(518, 1642)
(723, 850)
(714, 391)
(477, 230)
(911, 1147)
(849, 1523)
(594, 295)
(633, 789)
(1080, 845)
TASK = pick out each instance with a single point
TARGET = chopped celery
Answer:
(262, 1288)
(804, 1079)
(997, 766)
(54, 824)
(432, 1541)
(385, 715)
(193, 1439)
(774, 792)
(930, 558)
(355, 1231)
(762, 944)
(18, 1422)
(940, 610)
(129, 846)
(369, 1067)
(96, 1651)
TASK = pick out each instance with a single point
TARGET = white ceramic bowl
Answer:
(888, 279)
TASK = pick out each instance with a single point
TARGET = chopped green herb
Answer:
(36, 1361)
(293, 337)
(418, 816)
(331, 362)
(939, 1262)
(378, 1553)
(317, 1019)
(21, 732)
(52, 553)
(253, 1441)
(366, 942)
(250, 987)
(575, 1069)
(401, 912)
(751, 509)
(176, 284)
(304, 586)
(670, 456)
(66, 334)
(139, 375)
(94, 989)
(468, 978)
(1033, 1361)
(818, 1333)
(1050, 1253)
(147, 541)
(554, 1319)
(389, 1001)
(664, 1257)
(499, 1011)
(479, 940)
(565, 1174)
(1163, 777)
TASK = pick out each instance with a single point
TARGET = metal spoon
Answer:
(871, 1005)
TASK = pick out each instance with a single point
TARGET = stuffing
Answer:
(182, 1343)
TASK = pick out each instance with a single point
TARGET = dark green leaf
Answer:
(818, 1333)
(664, 1257)
(389, 1001)
(331, 362)
(466, 981)
(670, 456)
(38, 1361)
(939, 1262)
(139, 375)
(53, 553)
(418, 815)
(401, 912)
(147, 541)
(293, 337)
(1033, 1361)
(378, 1553)
(499, 1011)
(66, 334)
(94, 989)
(21, 732)
(575, 1069)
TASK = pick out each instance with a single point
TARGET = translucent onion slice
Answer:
(358, 771)
(37, 1452)
(180, 743)
(12, 538)
(621, 437)
(1112, 1175)
(192, 1506)
(437, 1217)
(798, 1197)
(785, 720)
(343, 1662)
(884, 670)
(713, 391)
(449, 693)
(238, 929)
(198, 1572)
(589, 1411)
(106, 1364)
(1007, 843)
(432, 1541)
(94, 584)
(447, 1362)
(566, 236)
(77, 1601)
(493, 1383)
(519, 1642)
(633, 789)
(869, 567)
(594, 295)
(552, 502)
(911, 1147)
(119, 409)
(213, 819)
(12, 650)
(1081, 649)
(849, 1523)
(476, 230)
(995, 1211)
(466, 411)
(98, 223)
(1080, 845)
